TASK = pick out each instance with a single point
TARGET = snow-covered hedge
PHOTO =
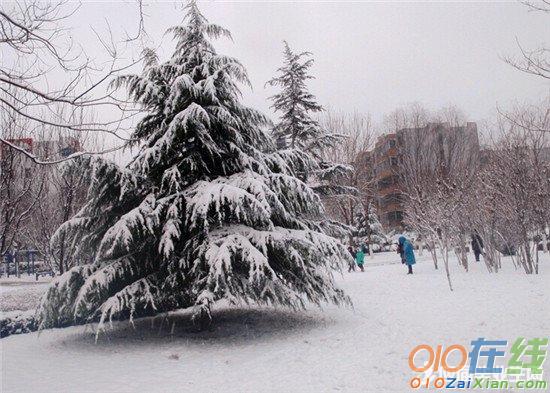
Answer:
(17, 322)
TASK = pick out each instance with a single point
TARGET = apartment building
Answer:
(388, 159)
(386, 156)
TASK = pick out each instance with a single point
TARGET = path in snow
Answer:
(253, 350)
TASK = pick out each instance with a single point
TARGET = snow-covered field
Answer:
(21, 293)
(363, 349)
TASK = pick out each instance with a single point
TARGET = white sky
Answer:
(369, 57)
(372, 56)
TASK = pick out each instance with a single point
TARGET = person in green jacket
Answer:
(360, 258)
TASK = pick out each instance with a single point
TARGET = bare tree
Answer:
(438, 164)
(533, 61)
(36, 199)
(353, 151)
(20, 186)
(533, 118)
(512, 193)
(527, 138)
(35, 42)
(64, 194)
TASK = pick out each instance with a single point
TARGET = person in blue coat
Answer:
(408, 252)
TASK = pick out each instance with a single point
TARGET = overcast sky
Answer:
(369, 57)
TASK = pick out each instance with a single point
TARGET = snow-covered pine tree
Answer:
(298, 130)
(201, 213)
(376, 233)
(361, 225)
(368, 228)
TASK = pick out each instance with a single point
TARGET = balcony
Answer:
(390, 189)
(387, 172)
(392, 207)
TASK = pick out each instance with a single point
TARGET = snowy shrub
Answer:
(17, 322)
(207, 210)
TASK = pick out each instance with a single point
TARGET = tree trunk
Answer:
(447, 271)
(16, 265)
(434, 254)
(463, 255)
(529, 257)
(536, 259)
(66, 215)
(370, 248)
(62, 254)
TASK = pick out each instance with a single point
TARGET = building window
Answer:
(394, 161)
(392, 198)
(395, 216)
(392, 143)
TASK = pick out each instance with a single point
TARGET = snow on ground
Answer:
(25, 279)
(364, 349)
(21, 293)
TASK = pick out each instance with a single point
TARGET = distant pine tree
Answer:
(375, 233)
(368, 228)
(361, 225)
(298, 130)
(202, 213)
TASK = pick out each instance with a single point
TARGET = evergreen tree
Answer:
(298, 130)
(361, 225)
(375, 231)
(205, 211)
(368, 228)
